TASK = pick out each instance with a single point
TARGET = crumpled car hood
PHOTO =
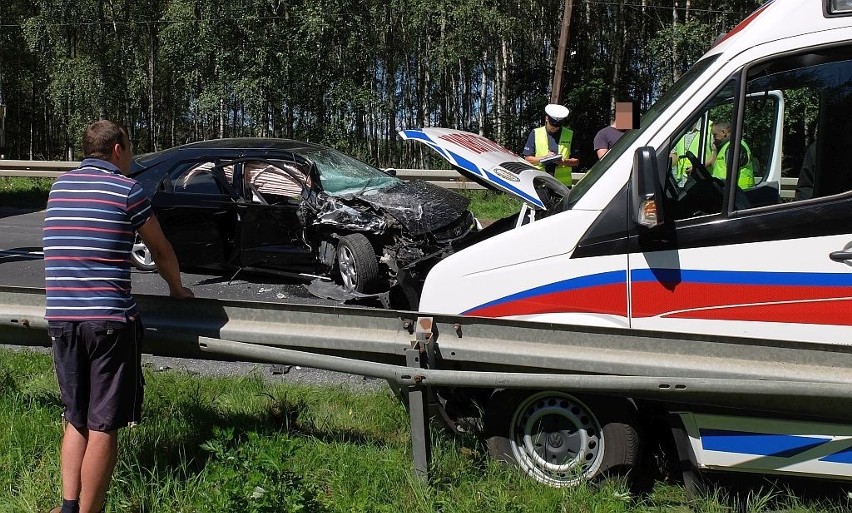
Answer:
(339, 213)
(419, 206)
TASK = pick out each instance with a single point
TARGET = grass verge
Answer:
(241, 444)
(22, 192)
(491, 205)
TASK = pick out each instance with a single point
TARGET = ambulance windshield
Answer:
(583, 186)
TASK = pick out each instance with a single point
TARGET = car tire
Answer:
(560, 440)
(357, 264)
(140, 256)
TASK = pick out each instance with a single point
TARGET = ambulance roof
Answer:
(781, 19)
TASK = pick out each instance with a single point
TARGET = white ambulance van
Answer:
(717, 251)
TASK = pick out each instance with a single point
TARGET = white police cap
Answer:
(556, 112)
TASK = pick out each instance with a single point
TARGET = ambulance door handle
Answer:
(840, 256)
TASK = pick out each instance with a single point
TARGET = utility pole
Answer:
(2, 120)
(556, 87)
(2, 127)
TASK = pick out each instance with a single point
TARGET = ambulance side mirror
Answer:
(646, 199)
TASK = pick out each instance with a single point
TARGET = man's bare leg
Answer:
(96, 470)
(74, 445)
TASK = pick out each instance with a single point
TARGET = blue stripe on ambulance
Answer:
(742, 277)
(592, 280)
(761, 444)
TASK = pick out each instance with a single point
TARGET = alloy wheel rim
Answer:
(347, 268)
(141, 253)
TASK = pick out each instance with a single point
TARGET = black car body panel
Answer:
(281, 206)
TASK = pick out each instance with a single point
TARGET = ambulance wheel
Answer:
(140, 256)
(560, 440)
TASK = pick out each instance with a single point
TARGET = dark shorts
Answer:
(99, 369)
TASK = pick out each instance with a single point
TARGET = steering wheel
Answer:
(702, 193)
(701, 173)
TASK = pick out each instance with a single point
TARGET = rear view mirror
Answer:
(646, 189)
(390, 171)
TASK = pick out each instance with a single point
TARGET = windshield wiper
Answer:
(369, 181)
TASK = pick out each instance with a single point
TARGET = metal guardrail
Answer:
(35, 168)
(488, 348)
(444, 177)
(51, 169)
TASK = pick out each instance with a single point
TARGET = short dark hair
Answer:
(100, 137)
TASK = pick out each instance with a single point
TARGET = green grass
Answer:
(241, 444)
(24, 192)
(490, 205)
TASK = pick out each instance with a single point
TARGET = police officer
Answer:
(691, 143)
(719, 169)
(552, 139)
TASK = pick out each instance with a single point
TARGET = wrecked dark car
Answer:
(298, 209)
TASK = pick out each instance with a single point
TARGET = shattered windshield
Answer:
(341, 175)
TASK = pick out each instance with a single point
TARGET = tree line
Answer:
(344, 73)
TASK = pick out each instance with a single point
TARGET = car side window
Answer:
(274, 182)
(198, 179)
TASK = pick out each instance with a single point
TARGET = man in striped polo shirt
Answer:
(93, 213)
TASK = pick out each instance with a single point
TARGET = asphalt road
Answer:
(22, 265)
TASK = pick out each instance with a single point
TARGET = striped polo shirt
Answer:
(92, 215)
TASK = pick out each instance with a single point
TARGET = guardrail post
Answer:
(421, 443)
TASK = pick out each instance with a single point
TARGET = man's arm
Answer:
(601, 145)
(164, 256)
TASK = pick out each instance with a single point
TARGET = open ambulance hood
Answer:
(490, 165)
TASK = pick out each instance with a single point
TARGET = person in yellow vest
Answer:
(554, 140)
(719, 167)
(691, 143)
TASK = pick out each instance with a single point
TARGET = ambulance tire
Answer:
(560, 439)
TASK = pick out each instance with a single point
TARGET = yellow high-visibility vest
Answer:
(562, 173)
(720, 166)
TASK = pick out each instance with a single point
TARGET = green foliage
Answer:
(244, 444)
(255, 476)
(344, 73)
(23, 192)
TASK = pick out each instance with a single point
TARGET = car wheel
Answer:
(357, 263)
(140, 256)
(558, 439)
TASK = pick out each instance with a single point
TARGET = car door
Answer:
(271, 230)
(743, 261)
(197, 209)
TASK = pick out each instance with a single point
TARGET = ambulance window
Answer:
(816, 94)
(696, 182)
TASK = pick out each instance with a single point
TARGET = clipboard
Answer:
(552, 159)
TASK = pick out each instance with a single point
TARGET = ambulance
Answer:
(720, 251)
